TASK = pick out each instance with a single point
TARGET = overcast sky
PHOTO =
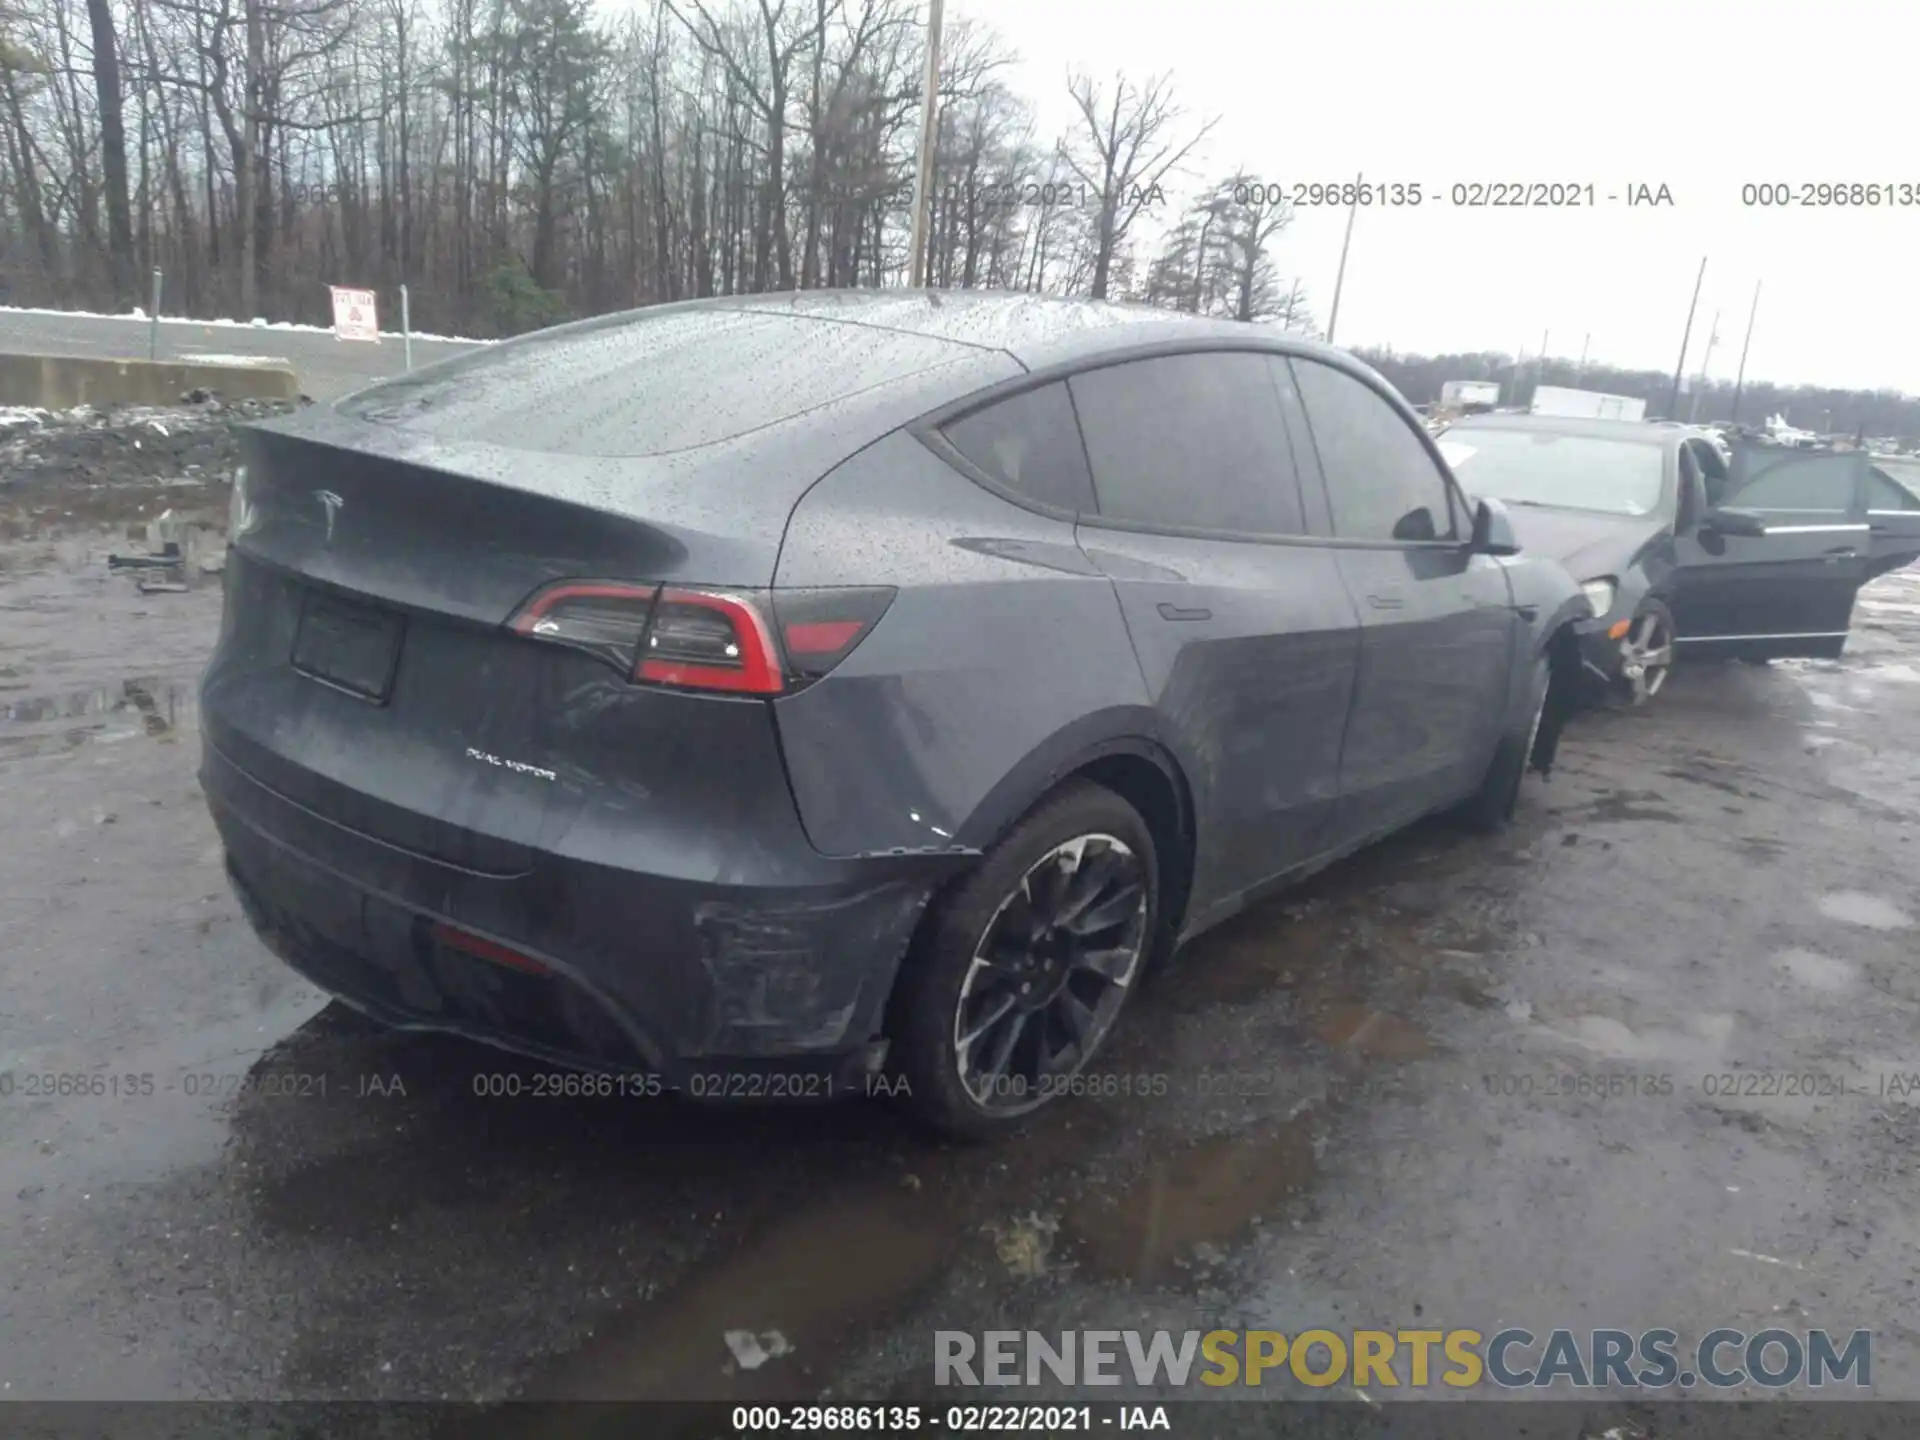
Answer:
(1701, 96)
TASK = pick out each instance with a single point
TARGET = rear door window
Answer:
(1029, 443)
(1810, 481)
(1886, 493)
(1191, 442)
(1381, 482)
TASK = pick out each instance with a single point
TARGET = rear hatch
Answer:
(437, 590)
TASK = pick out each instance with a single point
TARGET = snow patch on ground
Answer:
(20, 417)
(200, 359)
(223, 324)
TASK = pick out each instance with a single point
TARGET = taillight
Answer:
(734, 641)
(819, 628)
(707, 640)
(603, 618)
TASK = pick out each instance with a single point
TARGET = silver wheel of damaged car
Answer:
(1646, 656)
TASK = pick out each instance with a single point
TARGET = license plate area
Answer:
(350, 646)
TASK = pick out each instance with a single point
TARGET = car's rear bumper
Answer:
(699, 982)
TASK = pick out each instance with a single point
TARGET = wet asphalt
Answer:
(1360, 1106)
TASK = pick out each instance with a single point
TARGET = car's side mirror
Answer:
(1493, 530)
(1726, 520)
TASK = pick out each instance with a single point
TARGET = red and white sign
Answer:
(353, 315)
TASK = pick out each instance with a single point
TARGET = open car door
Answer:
(1772, 566)
(1893, 509)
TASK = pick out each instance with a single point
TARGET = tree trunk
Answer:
(28, 184)
(245, 163)
(113, 150)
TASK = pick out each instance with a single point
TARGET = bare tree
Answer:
(1125, 152)
(515, 161)
(771, 27)
(1237, 220)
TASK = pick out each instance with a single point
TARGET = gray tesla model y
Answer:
(819, 693)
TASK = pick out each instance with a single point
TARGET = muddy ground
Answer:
(1721, 884)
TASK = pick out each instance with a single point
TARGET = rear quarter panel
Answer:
(1002, 664)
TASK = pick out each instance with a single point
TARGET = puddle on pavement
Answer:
(1715, 775)
(813, 1279)
(1704, 1040)
(1209, 1195)
(51, 723)
(1403, 920)
(1818, 972)
(1469, 991)
(1627, 805)
(1852, 907)
(1359, 1030)
(1253, 956)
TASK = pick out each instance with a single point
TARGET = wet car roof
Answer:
(672, 378)
(1034, 329)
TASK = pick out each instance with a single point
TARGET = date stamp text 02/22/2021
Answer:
(30, 1085)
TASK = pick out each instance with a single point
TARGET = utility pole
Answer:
(1700, 383)
(1741, 379)
(1584, 344)
(929, 129)
(1340, 278)
(1679, 368)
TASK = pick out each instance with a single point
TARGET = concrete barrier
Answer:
(58, 382)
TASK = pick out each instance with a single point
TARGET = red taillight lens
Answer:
(604, 618)
(708, 640)
(485, 949)
(737, 642)
(820, 628)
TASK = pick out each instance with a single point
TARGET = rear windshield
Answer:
(1574, 472)
(648, 386)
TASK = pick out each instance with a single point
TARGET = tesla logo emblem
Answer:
(331, 503)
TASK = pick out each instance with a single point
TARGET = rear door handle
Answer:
(1175, 612)
(1388, 600)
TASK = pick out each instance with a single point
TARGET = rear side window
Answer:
(1031, 444)
(1774, 479)
(1191, 442)
(1885, 493)
(1381, 482)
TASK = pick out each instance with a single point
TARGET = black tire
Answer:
(1491, 806)
(946, 980)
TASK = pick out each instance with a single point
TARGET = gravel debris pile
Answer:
(125, 444)
(93, 465)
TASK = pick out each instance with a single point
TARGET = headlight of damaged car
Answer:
(1600, 593)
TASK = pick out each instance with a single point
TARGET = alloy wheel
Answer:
(1050, 973)
(1646, 656)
